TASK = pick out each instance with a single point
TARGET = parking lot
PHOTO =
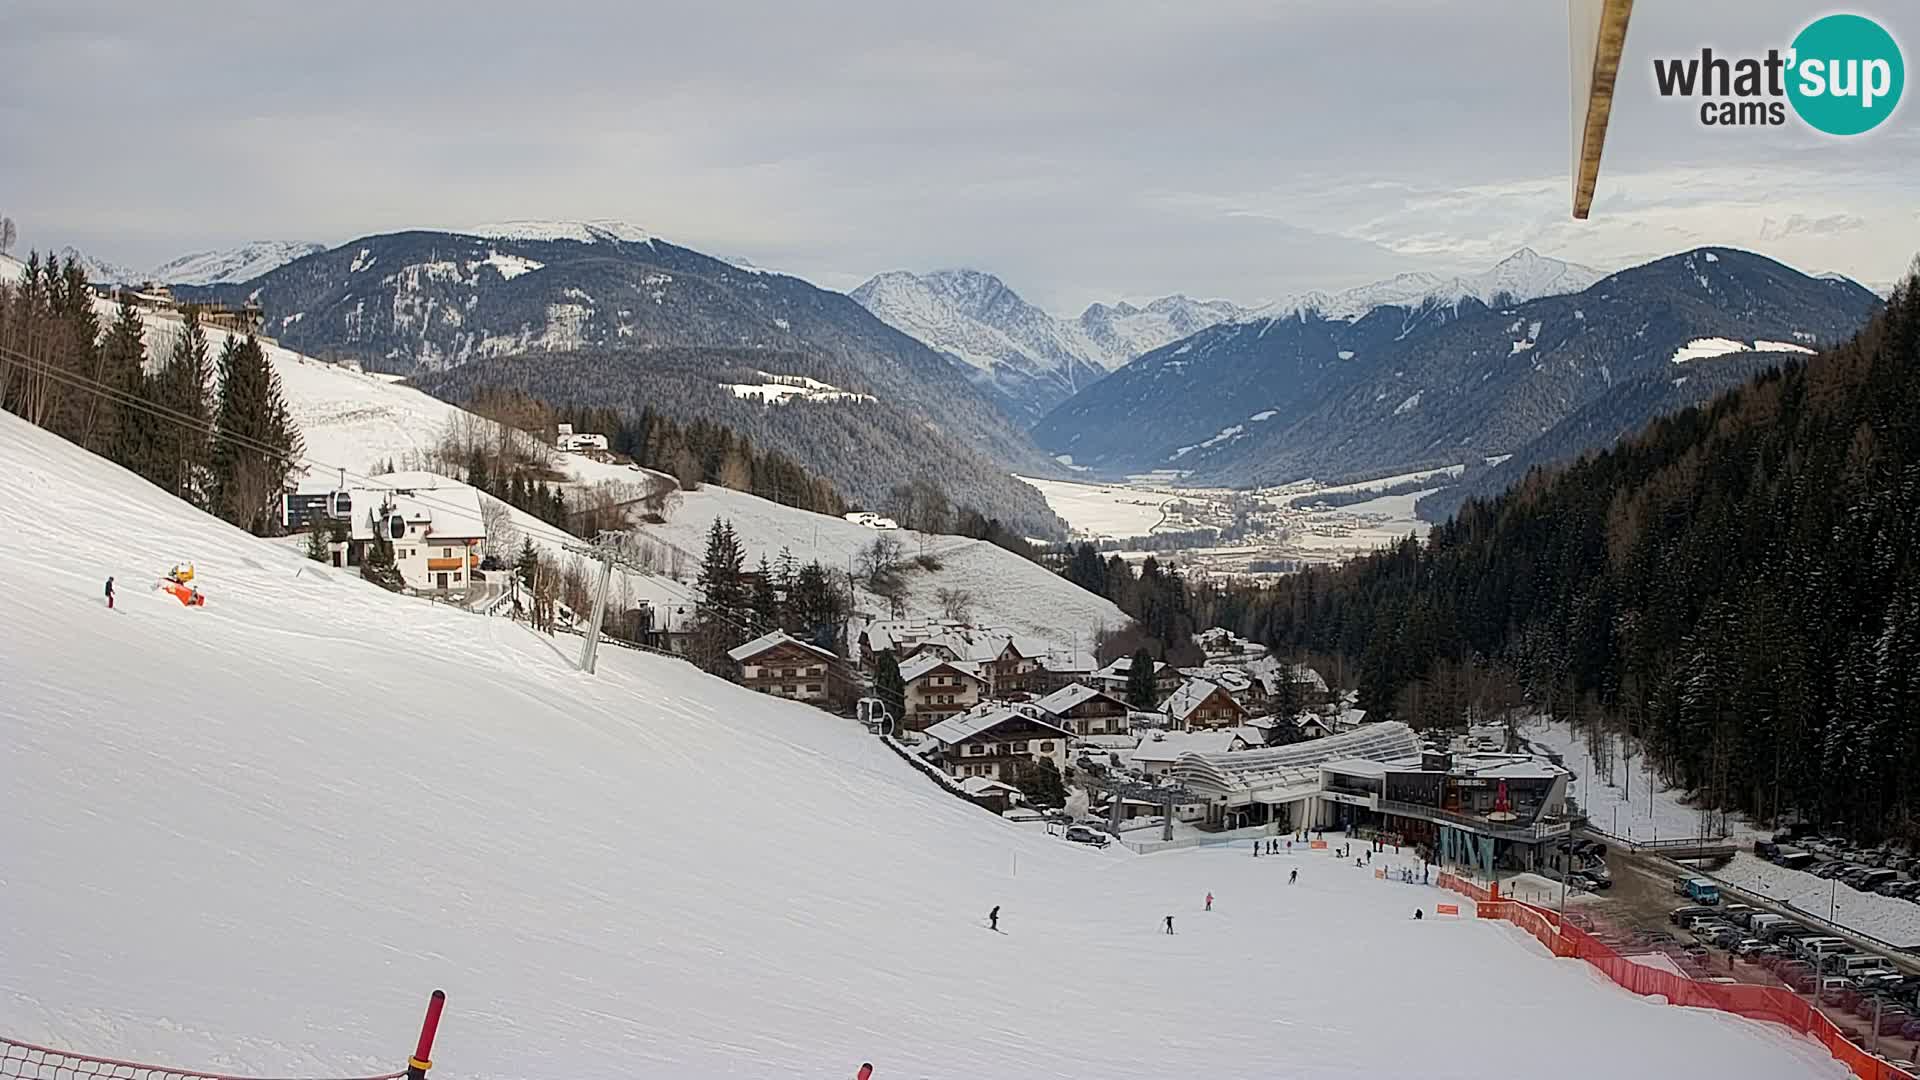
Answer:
(1636, 916)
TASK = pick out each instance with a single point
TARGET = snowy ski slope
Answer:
(1008, 592)
(251, 837)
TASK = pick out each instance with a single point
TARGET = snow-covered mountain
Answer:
(1034, 361)
(1435, 373)
(1123, 331)
(1031, 360)
(100, 271)
(243, 263)
(1524, 275)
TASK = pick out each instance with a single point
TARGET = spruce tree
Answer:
(762, 600)
(317, 544)
(528, 563)
(127, 431)
(183, 441)
(1140, 687)
(890, 688)
(378, 566)
(257, 443)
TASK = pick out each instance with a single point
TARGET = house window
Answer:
(813, 688)
(975, 749)
(1046, 748)
(1019, 748)
(446, 553)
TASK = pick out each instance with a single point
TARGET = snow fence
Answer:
(27, 1061)
(1773, 1004)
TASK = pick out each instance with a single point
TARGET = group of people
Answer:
(1270, 846)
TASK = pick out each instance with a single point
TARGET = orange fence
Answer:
(1773, 1004)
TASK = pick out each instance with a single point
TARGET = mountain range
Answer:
(1033, 361)
(1028, 359)
(731, 344)
(1464, 373)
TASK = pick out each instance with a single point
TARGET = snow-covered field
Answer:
(1102, 510)
(251, 837)
(1894, 921)
(1008, 592)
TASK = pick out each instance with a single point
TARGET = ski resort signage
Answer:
(1841, 75)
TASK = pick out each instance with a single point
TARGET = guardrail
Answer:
(1755, 896)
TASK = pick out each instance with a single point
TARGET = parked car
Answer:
(1911, 1030)
(1749, 947)
(1739, 914)
(1893, 1020)
(1828, 869)
(1680, 916)
(1832, 987)
(1082, 834)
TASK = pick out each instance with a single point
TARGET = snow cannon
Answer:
(186, 594)
(181, 576)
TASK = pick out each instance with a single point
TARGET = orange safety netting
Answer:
(1774, 1004)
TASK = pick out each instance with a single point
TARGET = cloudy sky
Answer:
(1083, 151)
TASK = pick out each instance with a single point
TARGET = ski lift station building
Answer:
(1480, 810)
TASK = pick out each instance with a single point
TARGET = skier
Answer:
(1169, 924)
(1418, 915)
(993, 918)
(1293, 876)
(1369, 858)
(1209, 901)
(109, 593)
(1256, 849)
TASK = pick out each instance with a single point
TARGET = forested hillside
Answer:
(1739, 585)
(840, 429)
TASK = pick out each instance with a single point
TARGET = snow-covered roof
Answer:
(741, 654)
(925, 662)
(1071, 695)
(1123, 666)
(982, 785)
(1193, 693)
(449, 509)
(1171, 746)
(1347, 719)
(1251, 735)
(1107, 742)
(1233, 680)
(1353, 766)
(1508, 768)
(1298, 765)
(965, 726)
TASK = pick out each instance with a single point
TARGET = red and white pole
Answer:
(422, 1058)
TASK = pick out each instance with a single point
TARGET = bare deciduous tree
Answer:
(955, 604)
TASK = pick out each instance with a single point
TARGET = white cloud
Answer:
(1236, 148)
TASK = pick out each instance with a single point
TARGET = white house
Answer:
(937, 687)
(573, 442)
(1156, 754)
(433, 523)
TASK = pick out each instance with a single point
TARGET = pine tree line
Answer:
(736, 605)
(216, 433)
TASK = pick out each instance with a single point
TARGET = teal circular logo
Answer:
(1846, 76)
